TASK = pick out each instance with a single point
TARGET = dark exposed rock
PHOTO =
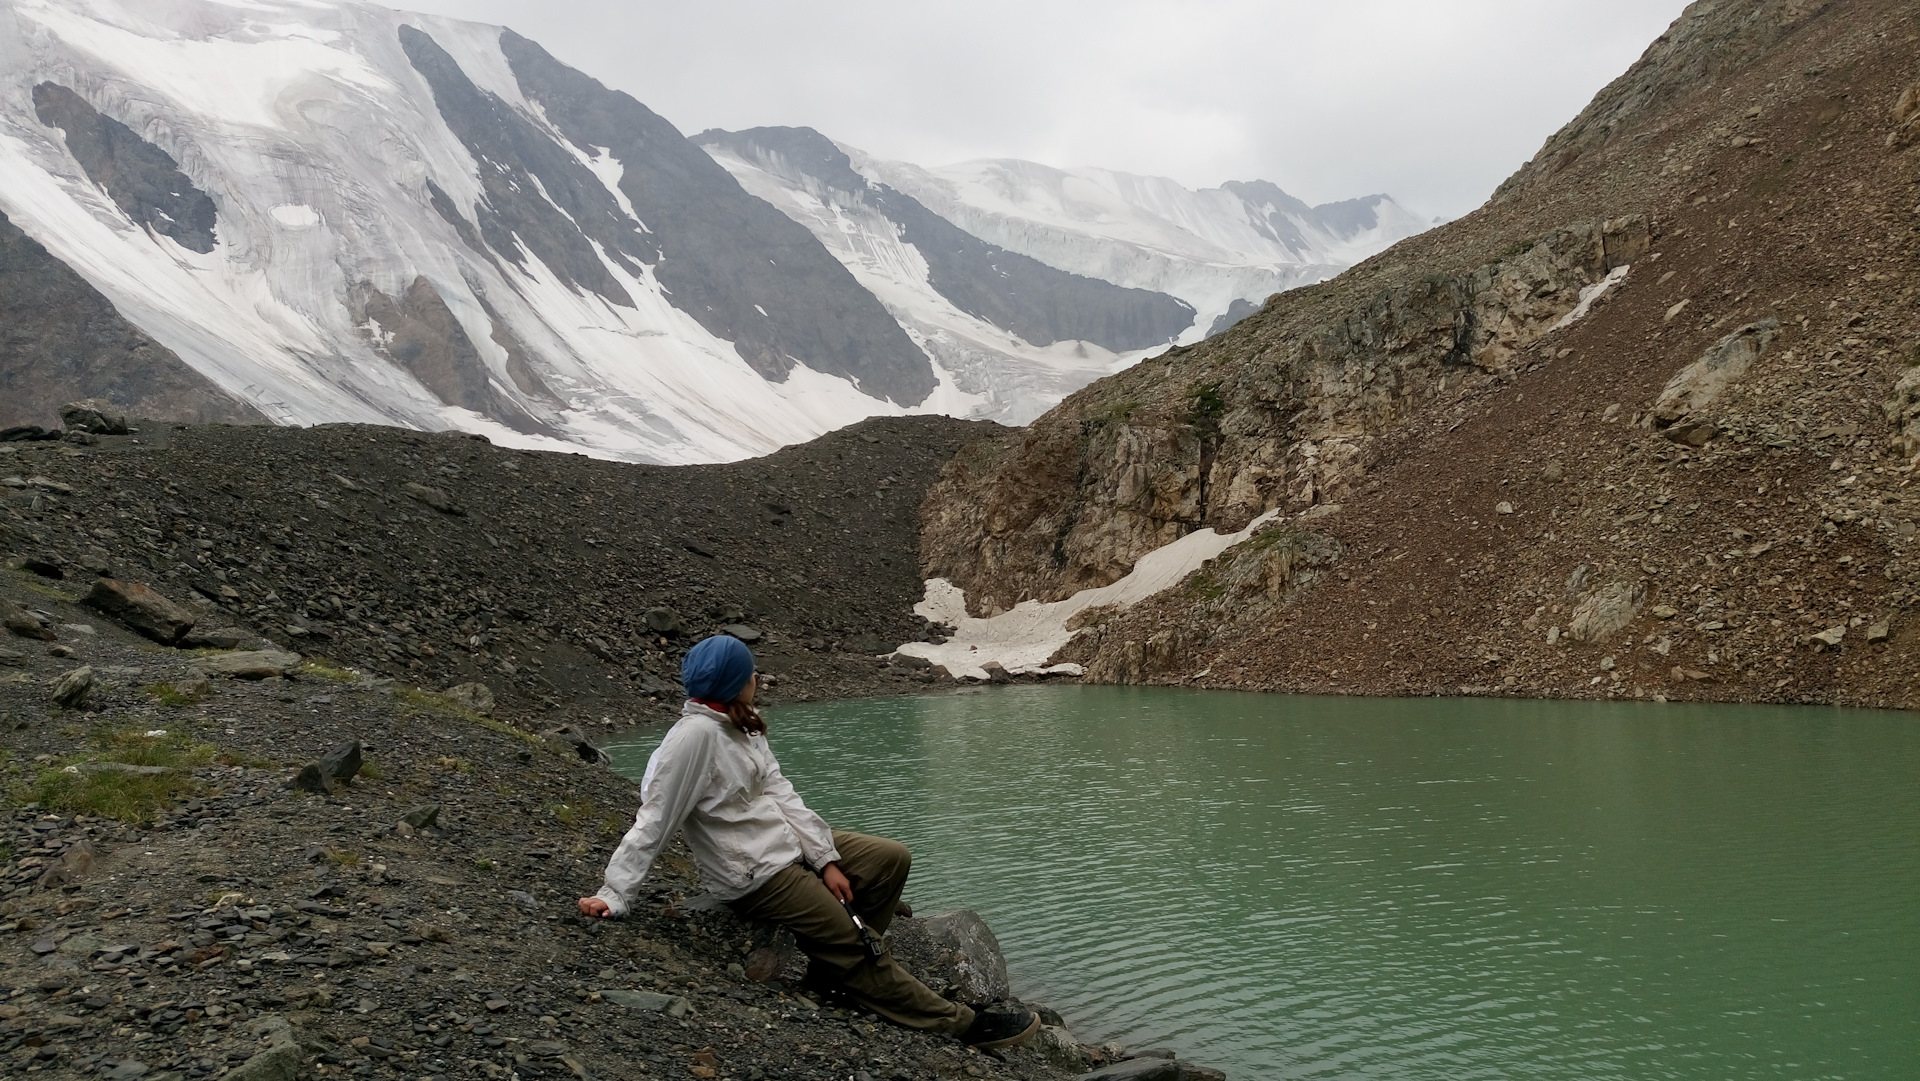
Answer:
(662, 620)
(142, 608)
(342, 763)
(422, 817)
(1235, 312)
(142, 178)
(418, 333)
(62, 340)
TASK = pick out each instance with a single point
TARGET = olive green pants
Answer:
(799, 900)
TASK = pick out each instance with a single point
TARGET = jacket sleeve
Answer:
(678, 774)
(816, 837)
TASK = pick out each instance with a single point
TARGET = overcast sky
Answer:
(1432, 101)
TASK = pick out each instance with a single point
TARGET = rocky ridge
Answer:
(1697, 489)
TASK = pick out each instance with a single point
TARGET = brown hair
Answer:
(746, 718)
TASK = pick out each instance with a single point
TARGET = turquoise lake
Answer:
(1288, 887)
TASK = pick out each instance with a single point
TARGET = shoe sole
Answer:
(1015, 1040)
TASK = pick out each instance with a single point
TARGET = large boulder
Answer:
(954, 953)
(94, 415)
(142, 608)
(1695, 386)
(1607, 611)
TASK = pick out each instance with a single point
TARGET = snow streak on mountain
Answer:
(326, 210)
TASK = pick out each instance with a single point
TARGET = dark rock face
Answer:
(60, 340)
(741, 268)
(1013, 292)
(419, 333)
(142, 178)
(525, 161)
(1235, 312)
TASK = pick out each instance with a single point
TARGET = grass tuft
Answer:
(69, 785)
(322, 670)
(440, 703)
(172, 696)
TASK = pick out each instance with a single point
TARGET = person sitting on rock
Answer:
(763, 852)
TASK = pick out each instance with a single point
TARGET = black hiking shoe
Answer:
(1002, 1027)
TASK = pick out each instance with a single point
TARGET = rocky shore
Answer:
(256, 835)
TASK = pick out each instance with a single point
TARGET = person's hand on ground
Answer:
(837, 883)
(594, 906)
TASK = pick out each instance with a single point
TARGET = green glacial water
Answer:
(1412, 889)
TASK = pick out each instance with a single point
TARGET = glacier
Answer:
(428, 222)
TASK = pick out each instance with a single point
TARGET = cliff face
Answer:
(1691, 484)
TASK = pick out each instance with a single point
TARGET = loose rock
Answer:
(142, 608)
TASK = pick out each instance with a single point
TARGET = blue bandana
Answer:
(717, 668)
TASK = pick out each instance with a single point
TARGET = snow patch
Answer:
(1023, 639)
(1589, 295)
(296, 215)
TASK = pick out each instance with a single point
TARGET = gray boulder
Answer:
(22, 622)
(473, 697)
(954, 953)
(1695, 386)
(661, 620)
(73, 688)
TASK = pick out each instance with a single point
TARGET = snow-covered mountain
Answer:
(1018, 333)
(328, 210)
(1221, 249)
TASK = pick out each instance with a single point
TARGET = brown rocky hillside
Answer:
(1700, 489)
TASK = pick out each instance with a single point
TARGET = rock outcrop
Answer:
(1282, 412)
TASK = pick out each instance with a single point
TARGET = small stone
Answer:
(1831, 636)
(996, 672)
(1691, 433)
(1554, 473)
(311, 778)
(1665, 611)
(741, 631)
(142, 608)
(653, 1002)
(432, 497)
(1503, 507)
(423, 817)
(73, 865)
(1606, 664)
(1879, 632)
(127, 1070)
(219, 638)
(73, 687)
(661, 620)
(341, 763)
(525, 901)
(473, 697)
(23, 623)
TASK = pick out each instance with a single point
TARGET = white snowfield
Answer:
(1208, 247)
(1025, 638)
(316, 138)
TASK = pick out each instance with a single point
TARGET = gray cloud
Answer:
(1434, 102)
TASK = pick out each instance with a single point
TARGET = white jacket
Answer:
(743, 820)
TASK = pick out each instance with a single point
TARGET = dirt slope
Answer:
(1479, 497)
